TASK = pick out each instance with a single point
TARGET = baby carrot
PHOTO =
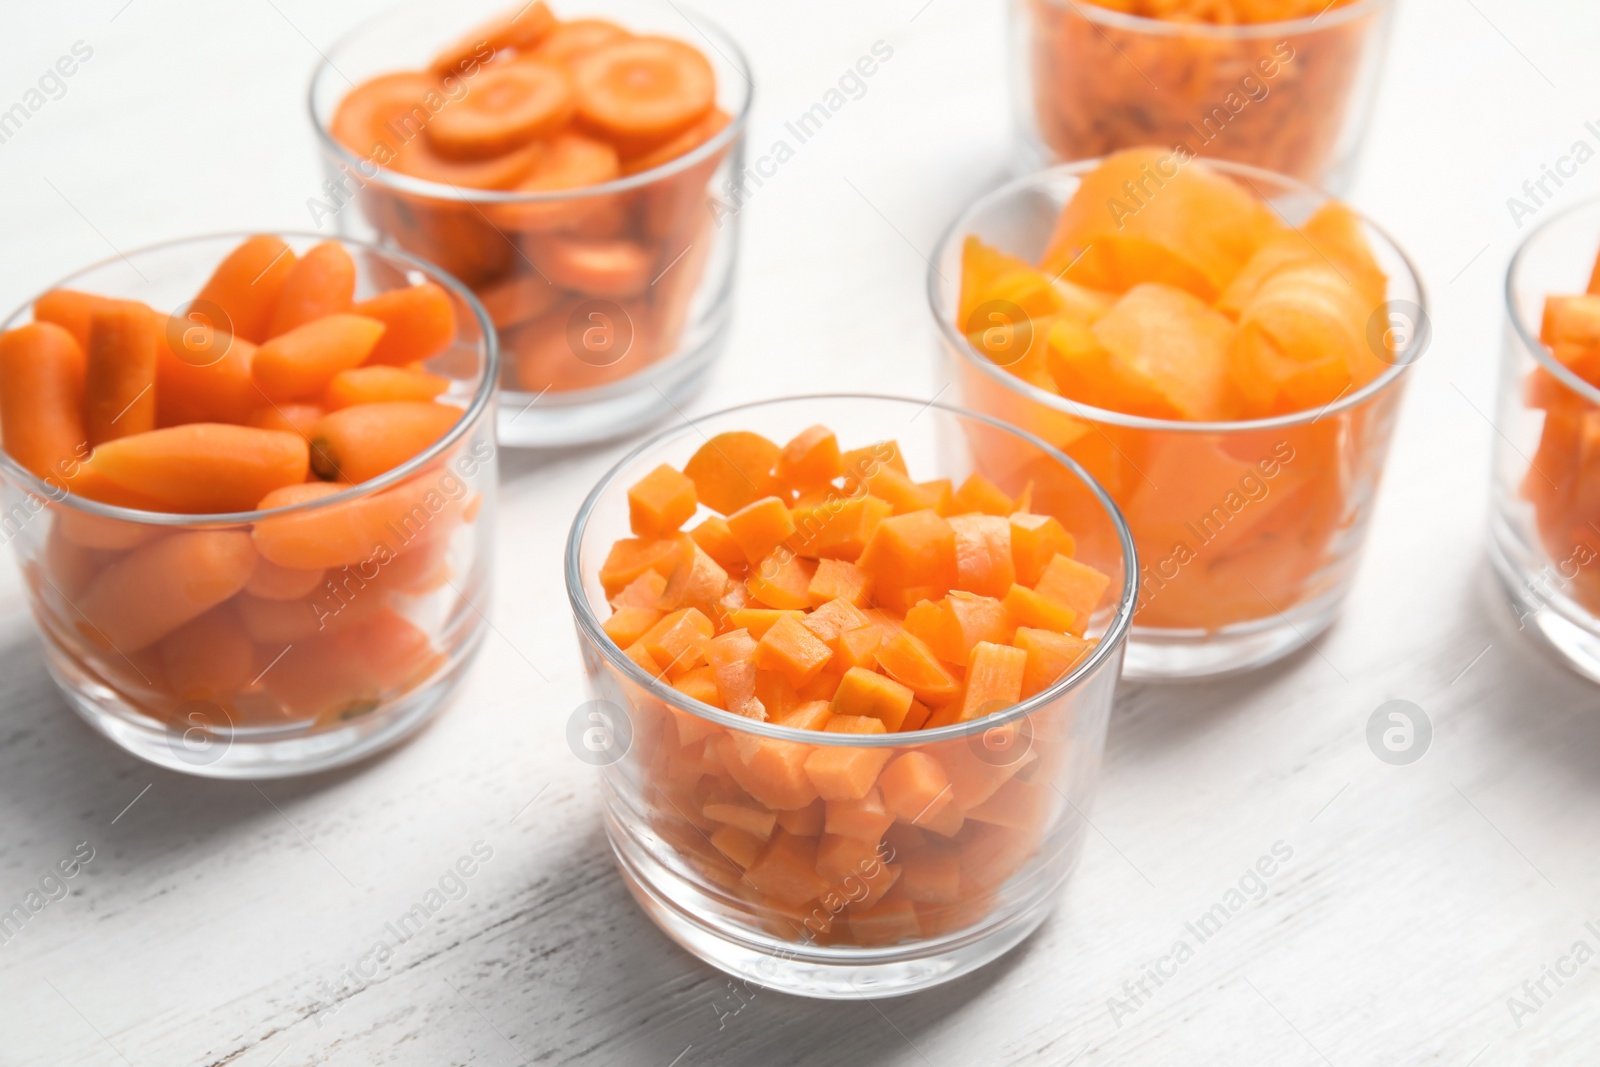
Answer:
(120, 374)
(322, 282)
(41, 396)
(202, 374)
(374, 385)
(418, 322)
(70, 310)
(292, 418)
(362, 442)
(209, 657)
(202, 467)
(247, 286)
(298, 365)
(140, 598)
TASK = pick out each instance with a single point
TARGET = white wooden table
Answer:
(215, 922)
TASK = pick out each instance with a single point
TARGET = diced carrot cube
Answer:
(942, 493)
(700, 684)
(770, 770)
(793, 650)
(1035, 540)
(904, 495)
(866, 818)
(931, 876)
(810, 459)
(994, 679)
(1077, 585)
(837, 579)
(643, 658)
(983, 554)
(750, 818)
(807, 715)
(847, 773)
(759, 620)
(806, 821)
(643, 592)
(823, 686)
(915, 787)
(839, 857)
(661, 502)
(911, 662)
(627, 624)
(863, 462)
(832, 619)
(679, 639)
(740, 846)
(776, 694)
(864, 692)
(731, 657)
(931, 623)
(716, 540)
(732, 469)
(1029, 608)
(1017, 804)
(632, 556)
(857, 648)
(839, 528)
(991, 854)
(787, 869)
(943, 716)
(891, 920)
(979, 494)
(761, 526)
(782, 580)
(913, 550)
(916, 716)
(1050, 656)
(697, 580)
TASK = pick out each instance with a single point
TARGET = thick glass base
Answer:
(588, 416)
(1556, 622)
(822, 972)
(253, 752)
(1162, 655)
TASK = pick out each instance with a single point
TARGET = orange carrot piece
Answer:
(70, 310)
(298, 364)
(994, 680)
(1035, 541)
(805, 822)
(419, 322)
(941, 493)
(609, 268)
(810, 459)
(716, 540)
(203, 467)
(844, 860)
(983, 554)
(770, 770)
(759, 620)
(915, 787)
(248, 285)
(518, 30)
(786, 870)
(41, 397)
(1028, 608)
(643, 592)
(731, 656)
(864, 462)
(120, 372)
(629, 623)
(782, 580)
(272, 582)
(807, 715)
(865, 819)
(866, 693)
(289, 417)
(209, 658)
(578, 37)
(1050, 656)
(699, 684)
(750, 818)
(660, 502)
(679, 639)
(510, 105)
(837, 579)
(379, 385)
(202, 374)
(1077, 585)
(321, 282)
(979, 494)
(739, 846)
(760, 526)
(643, 90)
(140, 598)
(355, 444)
(931, 877)
(833, 619)
(973, 619)
(696, 580)
(912, 663)
(858, 648)
(912, 550)
(632, 556)
(916, 716)
(838, 528)
(791, 649)
(732, 469)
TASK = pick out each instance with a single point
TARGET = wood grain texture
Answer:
(215, 921)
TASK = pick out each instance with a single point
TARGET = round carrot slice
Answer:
(419, 159)
(515, 30)
(363, 121)
(569, 40)
(572, 161)
(595, 268)
(643, 90)
(511, 104)
(711, 124)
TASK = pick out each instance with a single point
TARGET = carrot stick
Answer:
(322, 282)
(120, 375)
(354, 444)
(248, 284)
(202, 467)
(41, 396)
(298, 365)
(419, 322)
(153, 590)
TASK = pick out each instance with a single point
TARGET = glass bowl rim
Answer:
(1122, 20)
(1088, 413)
(489, 363)
(405, 183)
(1108, 645)
(1530, 340)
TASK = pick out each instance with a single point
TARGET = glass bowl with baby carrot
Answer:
(1286, 85)
(578, 166)
(250, 484)
(1225, 353)
(850, 684)
(1545, 518)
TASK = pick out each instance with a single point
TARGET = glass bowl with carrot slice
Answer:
(1545, 519)
(1222, 348)
(851, 675)
(578, 166)
(1286, 85)
(250, 484)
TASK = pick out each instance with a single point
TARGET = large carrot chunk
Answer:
(915, 787)
(1050, 656)
(913, 550)
(810, 459)
(660, 502)
(871, 695)
(1167, 344)
(837, 528)
(732, 658)
(155, 589)
(203, 374)
(732, 469)
(1076, 585)
(786, 870)
(772, 771)
(983, 554)
(1035, 540)
(633, 556)
(794, 651)
(41, 397)
(841, 773)
(782, 580)
(994, 680)
(911, 662)
(761, 526)
(203, 467)
(644, 90)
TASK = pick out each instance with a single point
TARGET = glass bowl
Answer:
(165, 632)
(1545, 517)
(1249, 532)
(974, 880)
(589, 355)
(1291, 97)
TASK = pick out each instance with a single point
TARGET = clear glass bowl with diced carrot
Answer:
(851, 677)
(1545, 520)
(250, 482)
(577, 165)
(1286, 85)
(1223, 349)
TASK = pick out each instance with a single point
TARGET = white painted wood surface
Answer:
(213, 918)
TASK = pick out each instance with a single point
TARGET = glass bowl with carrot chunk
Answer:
(1545, 522)
(1286, 85)
(250, 483)
(1222, 348)
(577, 165)
(851, 674)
